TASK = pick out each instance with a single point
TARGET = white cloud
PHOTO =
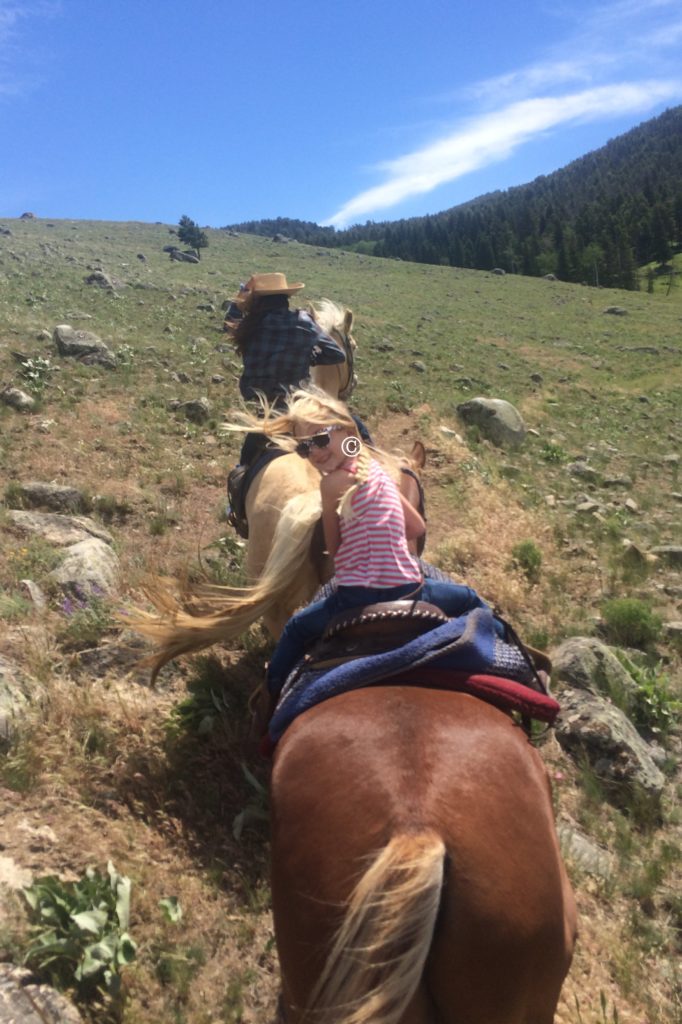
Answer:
(15, 57)
(493, 136)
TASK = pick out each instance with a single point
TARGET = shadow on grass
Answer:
(205, 781)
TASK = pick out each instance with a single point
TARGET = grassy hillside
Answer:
(155, 780)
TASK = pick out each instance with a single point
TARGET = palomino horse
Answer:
(339, 379)
(283, 509)
(416, 872)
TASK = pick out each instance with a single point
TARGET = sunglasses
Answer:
(321, 440)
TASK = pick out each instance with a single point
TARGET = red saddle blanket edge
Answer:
(504, 694)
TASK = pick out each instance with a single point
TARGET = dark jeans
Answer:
(309, 624)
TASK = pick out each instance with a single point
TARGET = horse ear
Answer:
(418, 454)
(348, 321)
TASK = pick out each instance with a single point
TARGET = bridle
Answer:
(345, 344)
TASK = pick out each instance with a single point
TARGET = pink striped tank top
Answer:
(373, 549)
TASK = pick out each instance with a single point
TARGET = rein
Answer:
(343, 340)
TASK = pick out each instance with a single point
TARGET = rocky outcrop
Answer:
(84, 346)
(497, 420)
(24, 1000)
(590, 727)
(17, 399)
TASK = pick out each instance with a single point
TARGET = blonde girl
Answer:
(367, 524)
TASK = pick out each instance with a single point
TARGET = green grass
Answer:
(610, 392)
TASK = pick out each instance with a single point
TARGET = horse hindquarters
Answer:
(389, 776)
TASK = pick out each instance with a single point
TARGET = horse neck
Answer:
(328, 378)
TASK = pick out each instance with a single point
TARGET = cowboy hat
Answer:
(266, 284)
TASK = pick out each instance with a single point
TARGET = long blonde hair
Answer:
(310, 406)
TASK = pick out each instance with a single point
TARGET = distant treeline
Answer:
(595, 221)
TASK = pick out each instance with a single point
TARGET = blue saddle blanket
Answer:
(465, 644)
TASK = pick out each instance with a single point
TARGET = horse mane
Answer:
(327, 314)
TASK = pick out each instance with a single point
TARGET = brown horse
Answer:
(416, 872)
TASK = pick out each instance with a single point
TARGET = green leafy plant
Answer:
(89, 618)
(527, 557)
(80, 931)
(552, 452)
(630, 622)
(256, 811)
(35, 373)
(206, 704)
(655, 705)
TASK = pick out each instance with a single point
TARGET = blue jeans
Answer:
(309, 624)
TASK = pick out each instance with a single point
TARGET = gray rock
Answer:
(84, 346)
(588, 664)
(197, 411)
(617, 481)
(102, 280)
(584, 853)
(89, 567)
(54, 497)
(184, 257)
(616, 311)
(35, 594)
(16, 690)
(673, 631)
(584, 472)
(17, 399)
(499, 421)
(671, 554)
(418, 365)
(57, 529)
(590, 726)
(499, 271)
(24, 1000)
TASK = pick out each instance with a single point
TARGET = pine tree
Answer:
(191, 234)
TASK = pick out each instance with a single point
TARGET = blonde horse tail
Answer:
(206, 614)
(379, 953)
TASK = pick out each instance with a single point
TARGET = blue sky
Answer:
(332, 112)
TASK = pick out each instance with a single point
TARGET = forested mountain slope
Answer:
(596, 220)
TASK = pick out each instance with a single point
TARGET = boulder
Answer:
(84, 346)
(54, 497)
(57, 529)
(588, 664)
(102, 280)
(25, 1000)
(671, 554)
(590, 727)
(17, 399)
(184, 257)
(89, 567)
(499, 421)
(584, 472)
(197, 411)
(584, 853)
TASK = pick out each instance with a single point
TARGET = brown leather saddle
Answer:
(372, 629)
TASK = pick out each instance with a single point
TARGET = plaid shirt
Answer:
(289, 343)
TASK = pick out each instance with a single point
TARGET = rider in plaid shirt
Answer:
(278, 345)
(288, 343)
